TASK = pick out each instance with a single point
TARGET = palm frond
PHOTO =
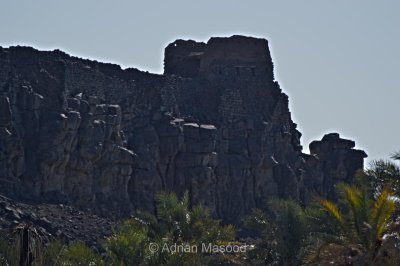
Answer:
(384, 174)
(198, 213)
(395, 156)
(331, 208)
(353, 199)
(383, 210)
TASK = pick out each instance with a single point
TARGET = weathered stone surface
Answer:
(332, 160)
(215, 124)
(55, 220)
(5, 111)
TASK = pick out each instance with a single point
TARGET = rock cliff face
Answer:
(216, 124)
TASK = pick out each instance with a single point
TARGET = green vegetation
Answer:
(58, 254)
(176, 224)
(282, 231)
(383, 174)
(361, 228)
(366, 233)
(26, 247)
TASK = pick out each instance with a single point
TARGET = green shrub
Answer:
(78, 254)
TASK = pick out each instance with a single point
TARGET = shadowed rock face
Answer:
(216, 124)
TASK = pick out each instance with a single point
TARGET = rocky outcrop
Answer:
(215, 124)
(332, 160)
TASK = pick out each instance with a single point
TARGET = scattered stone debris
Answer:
(55, 221)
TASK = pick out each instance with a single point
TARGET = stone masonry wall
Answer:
(215, 124)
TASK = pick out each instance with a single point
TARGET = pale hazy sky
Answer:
(337, 60)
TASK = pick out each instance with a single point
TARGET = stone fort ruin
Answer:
(216, 124)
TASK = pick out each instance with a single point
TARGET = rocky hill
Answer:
(55, 220)
(216, 123)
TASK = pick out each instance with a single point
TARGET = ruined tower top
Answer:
(220, 56)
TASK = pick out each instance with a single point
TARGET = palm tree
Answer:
(383, 174)
(186, 223)
(181, 224)
(366, 232)
(176, 223)
(282, 231)
(22, 245)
